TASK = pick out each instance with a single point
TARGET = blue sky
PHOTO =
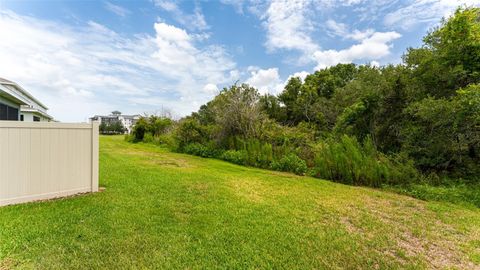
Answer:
(82, 58)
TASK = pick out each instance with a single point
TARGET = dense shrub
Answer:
(189, 130)
(113, 128)
(238, 157)
(350, 162)
(259, 154)
(453, 126)
(153, 125)
(148, 137)
(139, 129)
(290, 163)
(166, 140)
(200, 150)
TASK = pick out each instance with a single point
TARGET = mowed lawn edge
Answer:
(169, 210)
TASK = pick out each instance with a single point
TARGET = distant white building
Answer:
(16, 104)
(128, 121)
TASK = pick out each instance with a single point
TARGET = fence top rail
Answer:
(44, 125)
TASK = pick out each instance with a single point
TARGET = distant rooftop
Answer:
(2, 80)
(25, 92)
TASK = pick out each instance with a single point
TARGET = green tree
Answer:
(238, 112)
(450, 56)
(444, 134)
(270, 104)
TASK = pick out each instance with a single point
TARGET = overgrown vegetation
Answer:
(164, 210)
(399, 125)
(112, 128)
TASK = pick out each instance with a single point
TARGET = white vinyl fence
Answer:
(40, 160)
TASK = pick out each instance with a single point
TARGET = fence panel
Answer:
(47, 160)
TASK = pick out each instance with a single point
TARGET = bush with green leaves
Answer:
(148, 138)
(153, 125)
(111, 128)
(201, 150)
(166, 140)
(350, 162)
(453, 128)
(189, 130)
(258, 153)
(139, 129)
(235, 156)
(290, 163)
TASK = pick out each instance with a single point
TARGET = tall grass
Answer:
(351, 162)
(342, 160)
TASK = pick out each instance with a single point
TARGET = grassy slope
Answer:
(167, 210)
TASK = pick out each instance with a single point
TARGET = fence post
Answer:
(95, 125)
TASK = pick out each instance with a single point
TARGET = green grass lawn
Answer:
(169, 210)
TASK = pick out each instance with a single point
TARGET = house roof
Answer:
(2, 80)
(36, 111)
(116, 116)
(131, 116)
(23, 92)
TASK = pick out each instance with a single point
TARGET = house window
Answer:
(3, 112)
(36, 119)
(8, 113)
(21, 117)
(12, 113)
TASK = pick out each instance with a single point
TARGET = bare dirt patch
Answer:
(7, 264)
(404, 223)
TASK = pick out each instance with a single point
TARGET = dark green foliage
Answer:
(200, 150)
(324, 82)
(452, 127)
(235, 156)
(290, 97)
(450, 57)
(290, 163)
(259, 154)
(271, 106)
(140, 129)
(147, 128)
(189, 130)
(351, 162)
(115, 127)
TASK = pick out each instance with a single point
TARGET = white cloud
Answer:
(237, 4)
(302, 75)
(374, 47)
(210, 88)
(335, 28)
(120, 11)
(360, 35)
(194, 21)
(167, 5)
(426, 12)
(288, 26)
(342, 30)
(85, 70)
(374, 64)
(265, 80)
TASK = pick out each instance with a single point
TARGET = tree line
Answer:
(356, 124)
